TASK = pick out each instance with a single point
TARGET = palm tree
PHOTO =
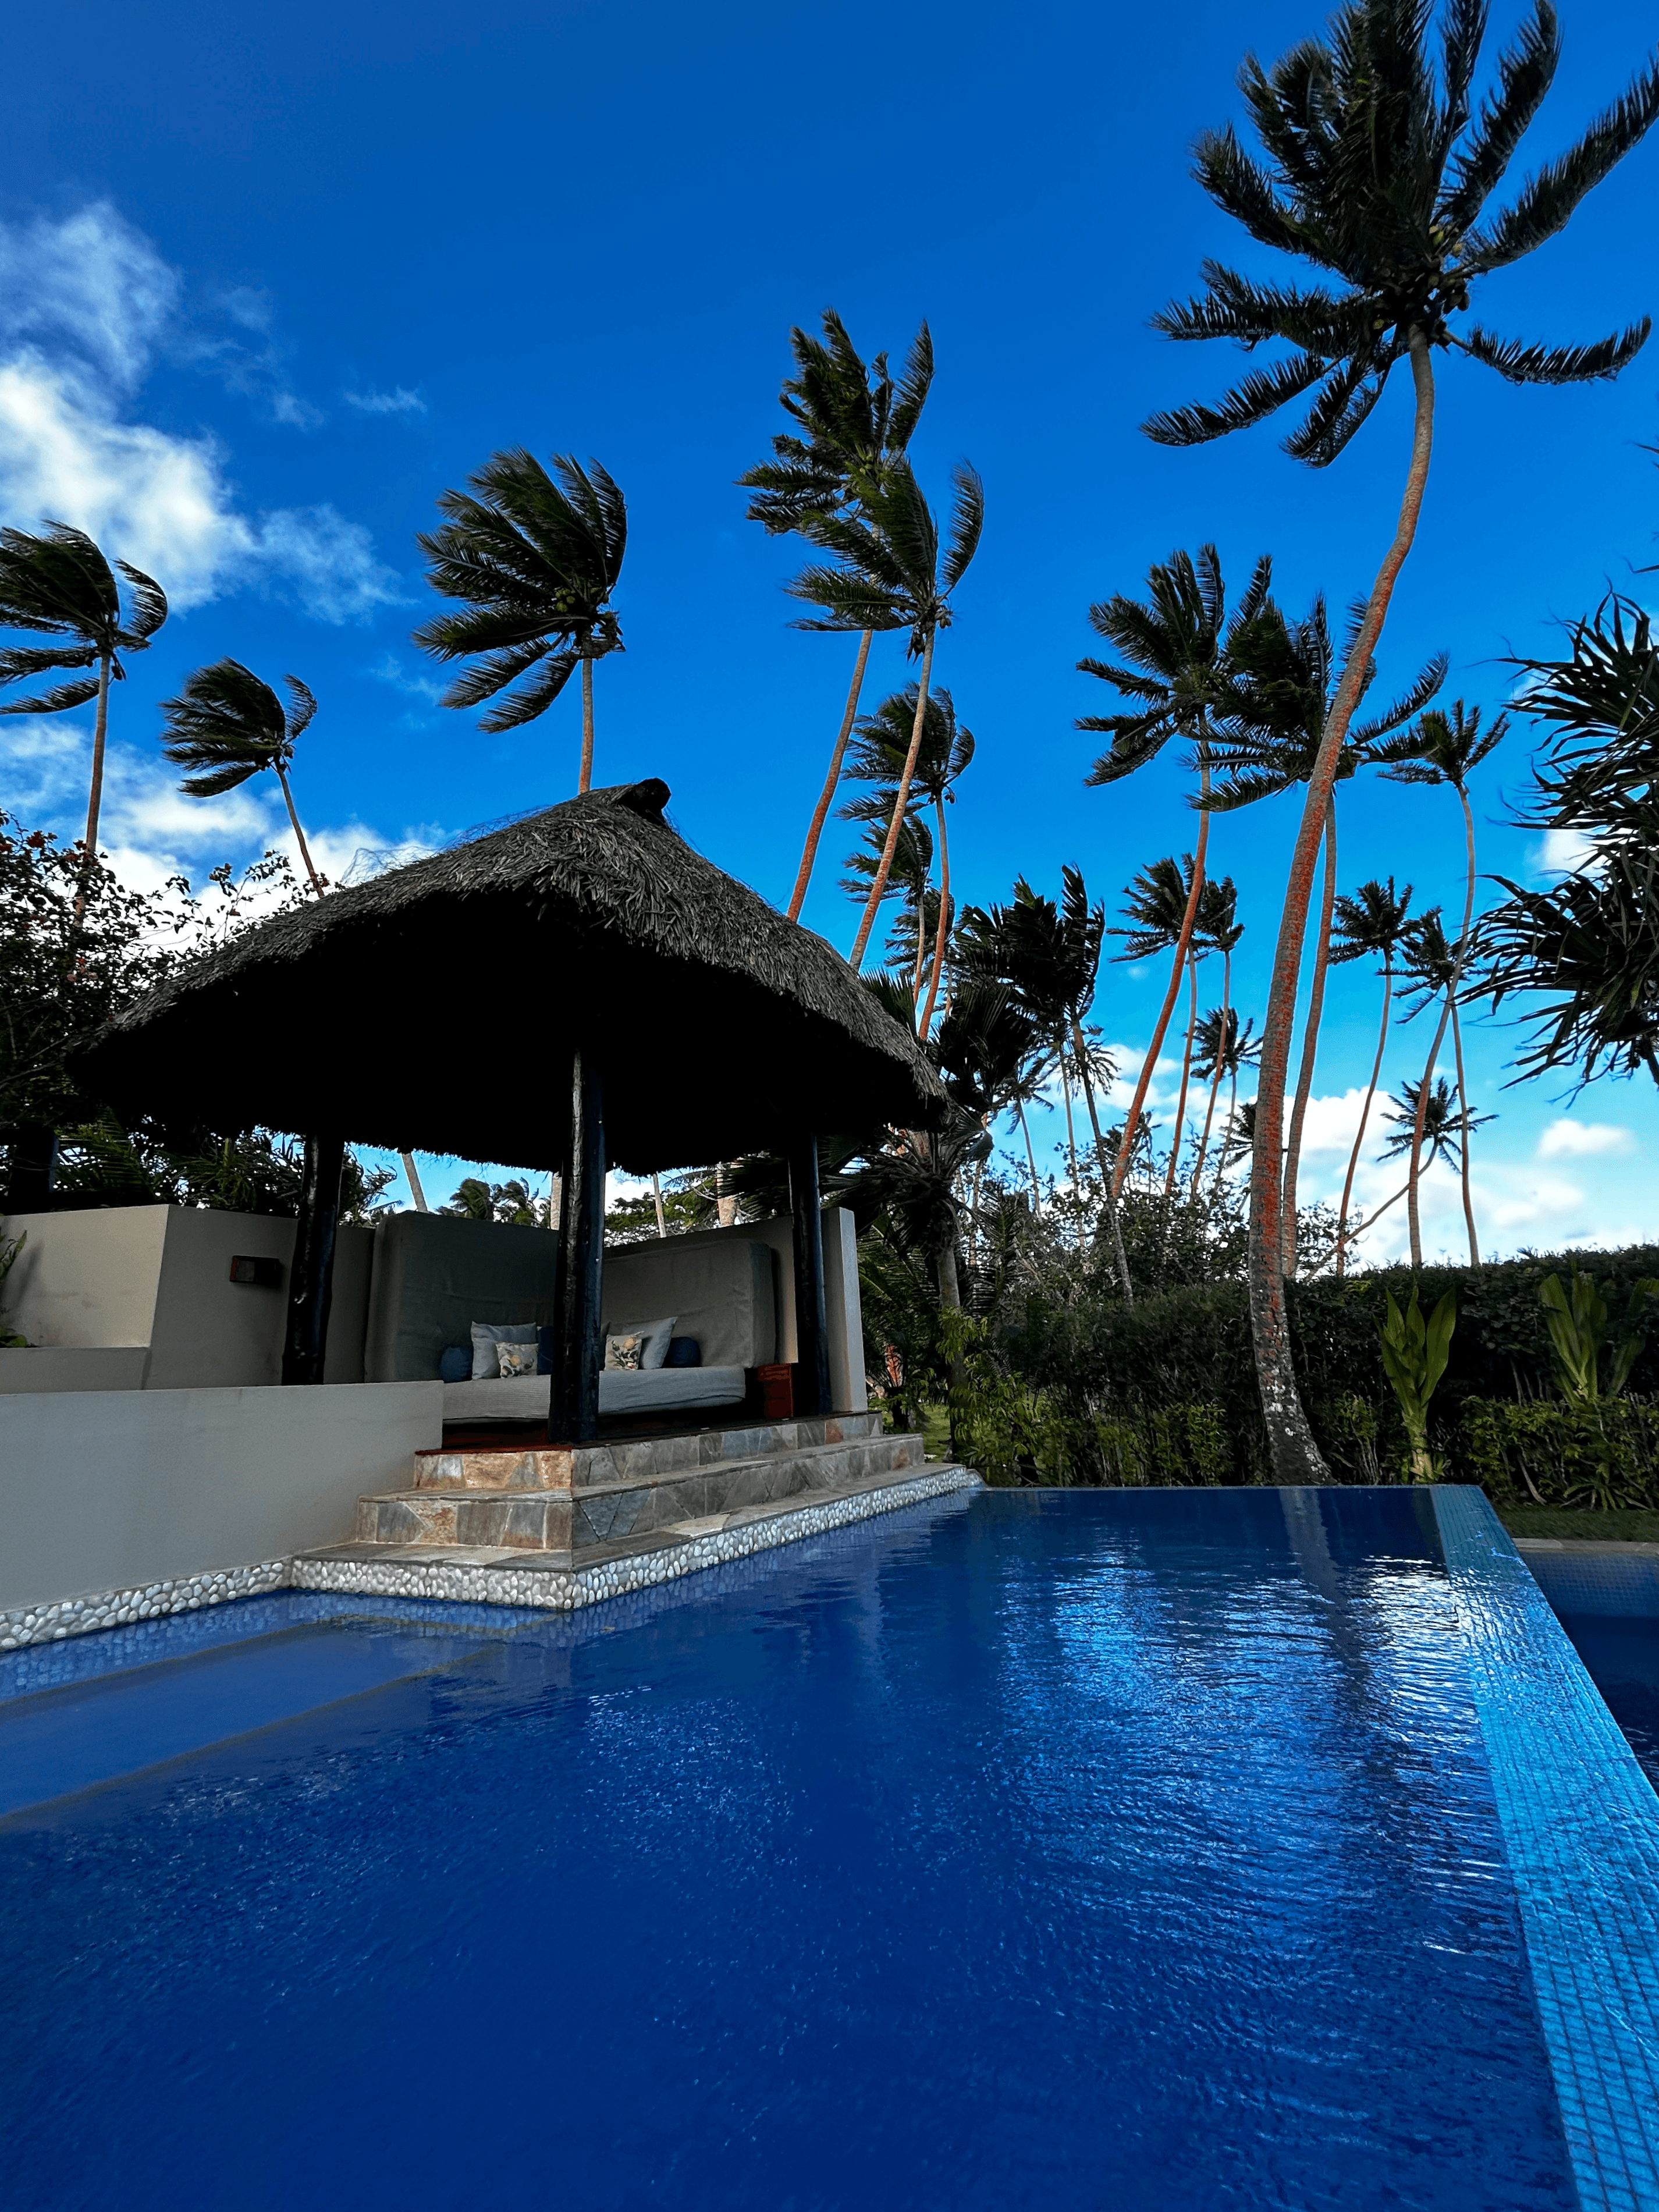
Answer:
(227, 725)
(1446, 747)
(1175, 643)
(1430, 1116)
(947, 748)
(59, 585)
(1378, 167)
(1218, 928)
(1224, 1048)
(1162, 904)
(856, 420)
(909, 871)
(1432, 968)
(1370, 924)
(892, 572)
(990, 1058)
(1282, 680)
(536, 562)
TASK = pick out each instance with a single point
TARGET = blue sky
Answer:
(270, 280)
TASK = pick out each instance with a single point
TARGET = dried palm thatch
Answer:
(435, 1008)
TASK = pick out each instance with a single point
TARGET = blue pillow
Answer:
(545, 1350)
(456, 1364)
(683, 1352)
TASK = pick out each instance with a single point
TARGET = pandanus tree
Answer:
(892, 571)
(1378, 170)
(851, 421)
(1369, 926)
(227, 725)
(1446, 747)
(1171, 675)
(536, 558)
(1282, 683)
(59, 585)
(877, 757)
(1589, 944)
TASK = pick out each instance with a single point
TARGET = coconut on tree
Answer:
(853, 421)
(1379, 165)
(536, 559)
(58, 585)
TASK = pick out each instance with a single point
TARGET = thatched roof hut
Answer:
(435, 1008)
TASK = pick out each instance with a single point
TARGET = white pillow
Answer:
(656, 1334)
(487, 1334)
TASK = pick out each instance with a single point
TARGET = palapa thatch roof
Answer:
(434, 1009)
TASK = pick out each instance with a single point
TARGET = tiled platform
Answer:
(1581, 1832)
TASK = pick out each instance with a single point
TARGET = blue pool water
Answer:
(1119, 1850)
(1608, 1603)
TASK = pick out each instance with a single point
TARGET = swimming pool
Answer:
(1124, 1849)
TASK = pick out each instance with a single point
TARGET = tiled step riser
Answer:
(642, 1460)
(562, 1520)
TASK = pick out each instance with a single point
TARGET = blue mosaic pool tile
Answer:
(1620, 1581)
(1581, 1827)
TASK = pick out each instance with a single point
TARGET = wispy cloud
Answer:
(397, 402)
(86, 302)
(388, 669)
(1567, 1139)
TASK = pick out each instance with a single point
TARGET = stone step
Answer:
(631, 1460)
(572, 1520)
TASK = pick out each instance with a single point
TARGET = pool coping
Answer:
(1580, 1822)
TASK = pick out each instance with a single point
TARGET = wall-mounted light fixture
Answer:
(263, 1274)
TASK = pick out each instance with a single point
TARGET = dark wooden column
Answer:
(311, 1277)
(812, 1315)
(579, 1319)
(33, 1168)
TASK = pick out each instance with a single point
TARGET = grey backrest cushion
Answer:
(722, 1292)
(436, 1274)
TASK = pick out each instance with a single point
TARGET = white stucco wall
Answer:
(159, 1276)
(103, 1490)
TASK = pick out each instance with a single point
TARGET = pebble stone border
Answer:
(559, 1591)
(565, 1589)
(78, 1616)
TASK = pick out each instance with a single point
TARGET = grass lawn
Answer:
(1636, 1524)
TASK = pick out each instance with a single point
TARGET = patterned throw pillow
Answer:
(516, 1359)
(624, 1352)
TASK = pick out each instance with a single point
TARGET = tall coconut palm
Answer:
(1225, 1048)
(1174, 642)
(537, 560)
(1446, 748)
(851, 421)
(892, 572)
(988, 1052)
(59, 585)
(1372, 924)
(227, 725)
(1378, 167)
(1430, 1122)
(1283, 677)
(1432, 969)
(1162, 906)
(877, 757)
(1217, 927)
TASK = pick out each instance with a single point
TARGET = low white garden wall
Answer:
(103, 1490)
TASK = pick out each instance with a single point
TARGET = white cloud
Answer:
(388, 669)
(1331, 1124)
(1561, 853)
(1570, 1139)
(83, 304)
(395, 402)
(91, 285)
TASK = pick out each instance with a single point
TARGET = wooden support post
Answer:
(311, 1277)
(579, 1319)
(32, 1170)
(811, 1314)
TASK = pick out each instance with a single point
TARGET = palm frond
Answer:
(57, 701)
(1540, 364)
(532, 698)
(1547, 200)
(301, 713)
(149, 610)
(1255, 397)
(1525, 72)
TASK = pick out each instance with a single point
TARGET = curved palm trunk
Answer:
(1186, 1078)
(585, 774)
(1113, 1218)
(1366, 1110)
(1296, 1457)
(1411, 1207)
(96, 789)
(921, 960)
(1310, 1038)
(1071, 1132)
(1457, 1026)
(1136, 1104)
(1215, 1078)
(299, 835)
(656, 1193)
(1024, 1131)
(900, 805)
(412, 1176)
(942, 935)
(827, 797)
